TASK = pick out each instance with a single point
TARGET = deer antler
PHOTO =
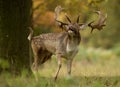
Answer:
(101, 22)
(58, 9)
(67, 18)
(77, 21)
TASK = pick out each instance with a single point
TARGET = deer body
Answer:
(63, 45)
(55, 43)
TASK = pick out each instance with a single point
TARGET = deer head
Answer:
(72, 28)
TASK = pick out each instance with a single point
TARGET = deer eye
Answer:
(71, 29)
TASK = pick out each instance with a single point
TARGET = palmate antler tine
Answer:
(104, 20)
(78, 19)
(58, 9)
(101, 17)
(67, 18)
(90, 25)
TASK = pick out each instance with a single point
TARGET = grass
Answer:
(92, 67)
(61, 82)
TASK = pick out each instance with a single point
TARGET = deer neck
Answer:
(74, 39)
(73, 43)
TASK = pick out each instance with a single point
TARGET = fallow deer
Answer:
(63, 44)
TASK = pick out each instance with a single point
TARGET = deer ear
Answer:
(82, 26)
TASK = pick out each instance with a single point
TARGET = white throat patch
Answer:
(71, 47)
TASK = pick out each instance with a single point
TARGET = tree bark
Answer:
(15, 18)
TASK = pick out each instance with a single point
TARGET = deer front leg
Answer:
(69, 64)
(59, 67)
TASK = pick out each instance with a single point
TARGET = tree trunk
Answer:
(15, 18)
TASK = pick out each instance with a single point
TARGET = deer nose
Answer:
(70, 31)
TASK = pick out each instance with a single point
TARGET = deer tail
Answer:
(30, 34)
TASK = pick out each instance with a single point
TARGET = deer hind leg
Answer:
(59, 67)
(35, 67)
(35, 64)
